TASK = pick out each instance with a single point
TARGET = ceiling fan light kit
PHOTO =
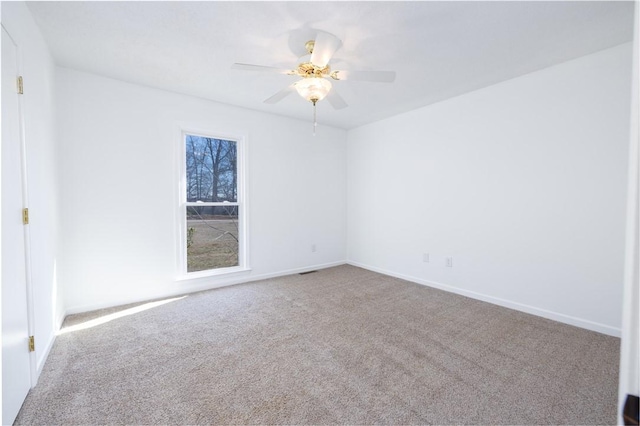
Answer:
(313, 89)
(314, 69)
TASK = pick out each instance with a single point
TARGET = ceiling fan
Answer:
(315, 73)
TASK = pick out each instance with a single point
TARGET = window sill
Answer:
(226, 273)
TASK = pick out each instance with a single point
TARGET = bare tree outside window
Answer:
(212, 209)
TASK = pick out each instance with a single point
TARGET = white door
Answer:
(16, 375)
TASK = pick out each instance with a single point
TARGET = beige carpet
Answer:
(342, 345)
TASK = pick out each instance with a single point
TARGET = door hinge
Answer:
(25, 216)
(20, 84)
(32, 344)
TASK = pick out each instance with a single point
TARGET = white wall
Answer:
(523, 183)
(38, 101)
(119, 190)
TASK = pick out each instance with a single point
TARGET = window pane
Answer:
(212, 237)
(212, 172)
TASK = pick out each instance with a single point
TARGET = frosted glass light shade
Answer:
(313, 88)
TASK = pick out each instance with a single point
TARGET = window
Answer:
(212, 211)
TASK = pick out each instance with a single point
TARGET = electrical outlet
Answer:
(313, 248)
(449, 262)
(425, 257)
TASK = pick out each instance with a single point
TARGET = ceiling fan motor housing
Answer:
(307, 69)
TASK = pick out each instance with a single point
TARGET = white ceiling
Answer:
(438, 49)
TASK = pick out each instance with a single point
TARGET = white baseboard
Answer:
(297, 270)
(199, 284)
(208, 284)
(566, 319)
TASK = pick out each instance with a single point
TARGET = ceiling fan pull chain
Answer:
(315, 124)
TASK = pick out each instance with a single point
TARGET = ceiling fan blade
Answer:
(280, 95)
(372, 76)
(336, 101)
(250, 67)
(324, 48)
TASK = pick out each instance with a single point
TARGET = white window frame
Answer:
(243, 261)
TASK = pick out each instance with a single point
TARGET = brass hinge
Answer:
(20, 84)
(25, 216)
(32, 344)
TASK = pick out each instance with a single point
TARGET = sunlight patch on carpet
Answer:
(107, 318)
